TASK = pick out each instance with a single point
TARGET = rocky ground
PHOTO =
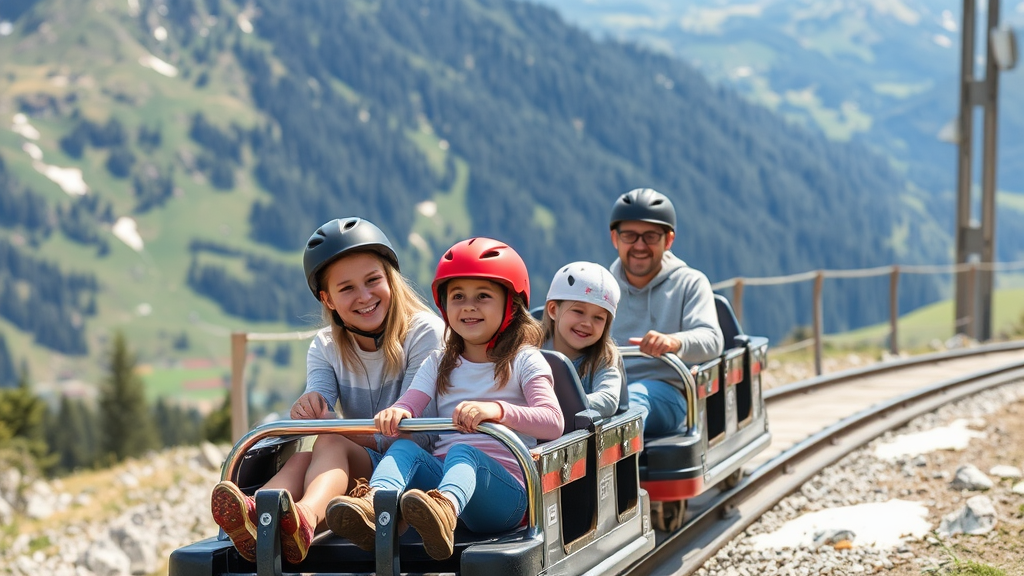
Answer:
(126, 520)
(997, 512)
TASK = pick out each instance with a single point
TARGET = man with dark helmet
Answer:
(666, 307)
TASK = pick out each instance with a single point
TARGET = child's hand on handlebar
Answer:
(469, 414)
(387, 420)
(310, 406)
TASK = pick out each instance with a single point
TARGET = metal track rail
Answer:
(882, 408)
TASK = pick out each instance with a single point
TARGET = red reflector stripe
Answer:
(614, 453)
(734, 376)
(553, 479)
(671, 490)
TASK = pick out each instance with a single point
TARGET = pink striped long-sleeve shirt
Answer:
(528, 402)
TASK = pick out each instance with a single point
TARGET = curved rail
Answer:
(687, 385)
(730, 512)
(409, 425)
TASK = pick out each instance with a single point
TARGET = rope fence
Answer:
(240, 340)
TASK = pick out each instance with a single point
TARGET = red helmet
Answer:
(487, 259)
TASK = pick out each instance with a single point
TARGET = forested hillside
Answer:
(213, 136)
(553, 126)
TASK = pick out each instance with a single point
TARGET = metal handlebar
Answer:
(686, 384)
(233, 462)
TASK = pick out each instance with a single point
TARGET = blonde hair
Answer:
(596, 357)
(522, 331)
(405, 303)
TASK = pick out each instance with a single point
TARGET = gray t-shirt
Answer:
(678, 302)
(362, 391)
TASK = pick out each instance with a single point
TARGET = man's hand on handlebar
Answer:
(655, 343)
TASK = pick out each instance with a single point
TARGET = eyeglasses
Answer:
(650, 237)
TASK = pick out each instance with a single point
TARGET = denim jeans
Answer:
(662, 407)
(489, 499)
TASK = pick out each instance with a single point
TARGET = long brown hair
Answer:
(404, 304)
(597, 356)
(522, 331)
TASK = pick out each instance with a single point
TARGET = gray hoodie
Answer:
(678, 302)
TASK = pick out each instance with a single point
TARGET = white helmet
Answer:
(586, 282)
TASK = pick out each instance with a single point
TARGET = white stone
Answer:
(968, 477)
(6, 512)
(211, 456)
(104, 558)
(1004, 471)
(139, 544)
(978, 516)
(128, 480)
(39, 506)
(1018, 488)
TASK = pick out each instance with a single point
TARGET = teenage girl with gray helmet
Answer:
(378, 333)
(666, 307)
(577, 322)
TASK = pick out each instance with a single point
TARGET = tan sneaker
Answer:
(235, 513)
(296, 531)
(352, 516)
(433, 516)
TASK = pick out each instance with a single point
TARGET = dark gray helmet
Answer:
(338, 237)
(646, 205)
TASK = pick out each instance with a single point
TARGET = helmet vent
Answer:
(350, 224)
(314, 242)
(656, 203)
(490, 254)
(564, 270)
(627, 200)
(571, 280)
(449, 256)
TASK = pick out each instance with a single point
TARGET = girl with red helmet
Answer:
(378, 333)
(489, 371)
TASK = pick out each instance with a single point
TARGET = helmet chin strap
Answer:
(377, 336)
(505, 321)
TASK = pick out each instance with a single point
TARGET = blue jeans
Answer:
(500, 501)
(662, 407)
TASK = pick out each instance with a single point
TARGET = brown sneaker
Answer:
(235, 513)
(352, 516)
(296, 531)
(433, 516)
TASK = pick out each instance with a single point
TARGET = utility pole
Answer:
(975, 242)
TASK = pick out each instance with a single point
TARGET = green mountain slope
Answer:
(227, 131)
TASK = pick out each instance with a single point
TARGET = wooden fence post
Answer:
(737, 300)
(894, 310)
(819, 281)
(239, 398)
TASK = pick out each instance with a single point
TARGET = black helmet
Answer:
(646, 205)
(337, 237)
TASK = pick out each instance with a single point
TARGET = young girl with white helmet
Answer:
(578, 317)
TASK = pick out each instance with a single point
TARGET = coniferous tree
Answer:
(22, 419)
(7, 375)
(126, 427)
(217, 427)
(73, 435)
